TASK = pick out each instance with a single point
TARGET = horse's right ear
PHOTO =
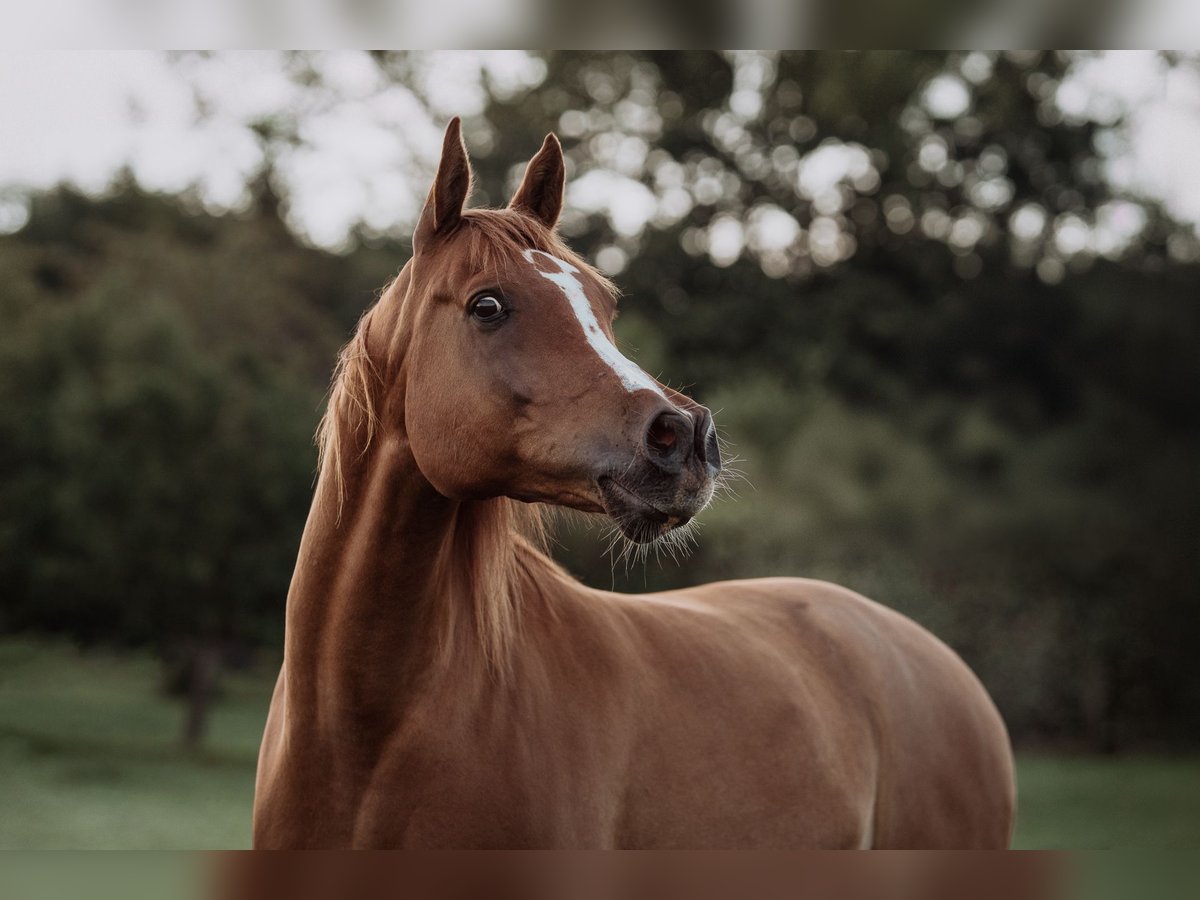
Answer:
(541, 191)
(451, 187)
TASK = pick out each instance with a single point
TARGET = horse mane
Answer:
(351, 414)
(499, 545)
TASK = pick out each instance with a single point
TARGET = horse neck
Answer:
(395, 584)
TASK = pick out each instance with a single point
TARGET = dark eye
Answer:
(487, 309)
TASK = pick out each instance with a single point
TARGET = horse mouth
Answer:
(637, 518)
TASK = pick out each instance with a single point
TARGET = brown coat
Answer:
(445, 684)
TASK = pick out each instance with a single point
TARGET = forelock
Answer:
(496, 240)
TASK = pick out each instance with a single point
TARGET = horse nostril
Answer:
(670, 441)
(661, 436)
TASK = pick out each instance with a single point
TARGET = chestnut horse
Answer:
(445, 684)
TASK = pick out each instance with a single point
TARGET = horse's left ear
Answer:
(541, 191)
(451, 187)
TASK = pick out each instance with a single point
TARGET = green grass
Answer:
(1070, 802)
(90, 757)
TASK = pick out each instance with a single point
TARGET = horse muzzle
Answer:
(671, 477)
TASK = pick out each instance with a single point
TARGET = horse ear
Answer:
(451, 187)
(541, 191)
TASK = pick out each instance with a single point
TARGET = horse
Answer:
(445, 684)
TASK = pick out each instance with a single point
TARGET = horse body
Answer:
(764, 713)
(445, 684)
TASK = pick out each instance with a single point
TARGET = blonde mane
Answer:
(351, 414)
(499, 553)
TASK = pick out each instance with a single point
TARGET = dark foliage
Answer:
(959, 420)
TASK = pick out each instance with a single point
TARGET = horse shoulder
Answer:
(267, 775)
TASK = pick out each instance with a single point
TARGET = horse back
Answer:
(939, 754)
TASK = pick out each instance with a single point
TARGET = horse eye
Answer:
(487, 309)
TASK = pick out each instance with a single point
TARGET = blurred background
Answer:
(944, 305)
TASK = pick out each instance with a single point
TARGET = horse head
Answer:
(513, 384)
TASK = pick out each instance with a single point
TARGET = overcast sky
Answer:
(81, 116)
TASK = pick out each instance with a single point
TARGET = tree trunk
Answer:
(202, 671)
(1102, 703)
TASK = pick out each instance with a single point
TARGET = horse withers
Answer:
(446, 684)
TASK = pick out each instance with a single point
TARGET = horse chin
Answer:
(636, 517)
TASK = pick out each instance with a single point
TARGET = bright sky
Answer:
(81, 116)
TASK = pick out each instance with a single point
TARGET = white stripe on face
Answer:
(633, 378)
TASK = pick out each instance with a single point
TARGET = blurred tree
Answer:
(163, 374)
(959, 365)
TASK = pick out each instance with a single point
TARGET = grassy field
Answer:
(89, 757)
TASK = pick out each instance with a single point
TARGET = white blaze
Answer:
(633, 378)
